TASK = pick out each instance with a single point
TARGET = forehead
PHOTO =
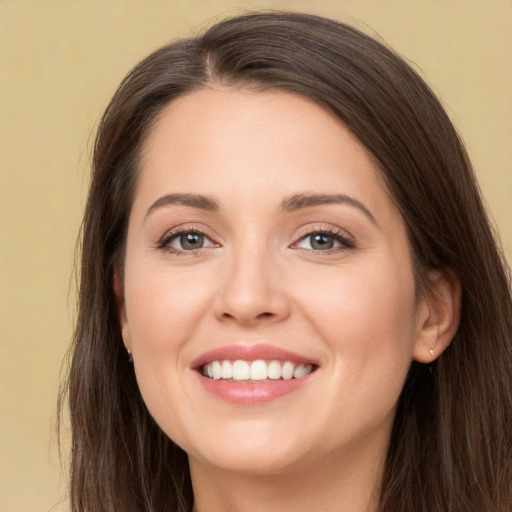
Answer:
(225, 141)
(222, 117)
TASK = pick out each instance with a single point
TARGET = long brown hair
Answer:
(451, 446)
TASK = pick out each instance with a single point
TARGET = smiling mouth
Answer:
(255, 371)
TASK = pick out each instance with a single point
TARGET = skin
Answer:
(353, 309)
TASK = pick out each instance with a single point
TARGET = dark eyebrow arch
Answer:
(193, 200)
(300, 201)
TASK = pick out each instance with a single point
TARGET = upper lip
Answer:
(249, 353)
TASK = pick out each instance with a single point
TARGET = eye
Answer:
(324, 241)
(186, 241)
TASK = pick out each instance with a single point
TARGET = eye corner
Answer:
(189, 240)
(327, 240)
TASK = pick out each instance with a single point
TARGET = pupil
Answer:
(191, 241)
(322, 242)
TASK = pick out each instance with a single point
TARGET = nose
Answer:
(252, 290)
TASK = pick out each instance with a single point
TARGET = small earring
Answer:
(130, 357)
(431, 352)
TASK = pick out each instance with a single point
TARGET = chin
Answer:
(250, 462)
(256, 453)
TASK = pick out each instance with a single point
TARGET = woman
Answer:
(291, 297)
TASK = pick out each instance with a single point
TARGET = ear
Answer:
(438, 316)
(121, 309)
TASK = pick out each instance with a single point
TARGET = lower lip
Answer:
(248, 393)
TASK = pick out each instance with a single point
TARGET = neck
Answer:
(343, 483)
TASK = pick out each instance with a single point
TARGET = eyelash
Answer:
(330, 232)
(335, 234)
(166, 240)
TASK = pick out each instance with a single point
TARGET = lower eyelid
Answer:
(339, 243)
(341, 237)
(341, 240)
(168, 238)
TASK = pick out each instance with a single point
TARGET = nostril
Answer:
(248, 319)
(250, 306)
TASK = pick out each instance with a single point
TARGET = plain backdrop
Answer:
(60, 61)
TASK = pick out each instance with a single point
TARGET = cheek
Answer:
(368, 321)
(163, 310)
(163, 307)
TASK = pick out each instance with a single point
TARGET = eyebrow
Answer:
(301, 201)
(193, 200)
(289, 204)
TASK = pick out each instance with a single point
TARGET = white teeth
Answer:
(287, 371)
(227, 370)
(274, 370)
(301, 370)
(216, 370)
(256, 370)
(241, 370)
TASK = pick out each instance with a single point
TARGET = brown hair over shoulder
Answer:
(451, 446)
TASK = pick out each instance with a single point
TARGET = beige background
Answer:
(59, 64)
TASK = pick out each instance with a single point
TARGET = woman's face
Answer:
(261, 245)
